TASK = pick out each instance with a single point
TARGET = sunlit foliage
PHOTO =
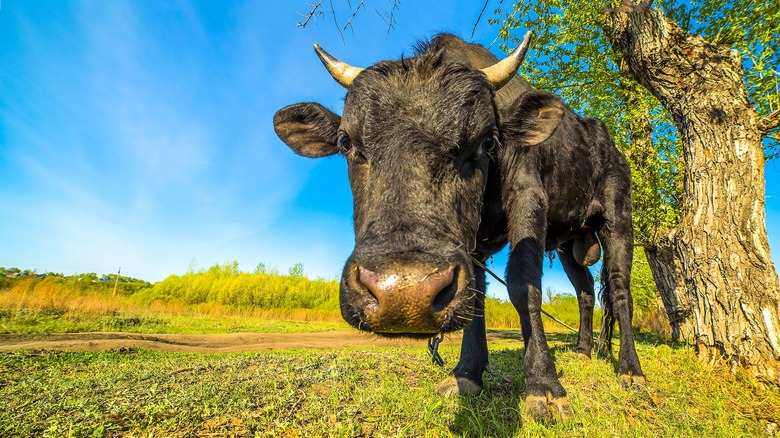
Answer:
(224, 291)
(226, 284)
(572, 57)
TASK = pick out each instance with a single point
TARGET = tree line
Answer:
(267, 289)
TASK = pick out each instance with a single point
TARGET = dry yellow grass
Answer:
(71, 299)
(38, 296)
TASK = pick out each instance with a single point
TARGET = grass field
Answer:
(54, 305)
(376, 391)
(56, 320)
(365, 392)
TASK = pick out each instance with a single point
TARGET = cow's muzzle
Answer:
(406, 299)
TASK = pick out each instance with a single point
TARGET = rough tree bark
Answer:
(720, 247)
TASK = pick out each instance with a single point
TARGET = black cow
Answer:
(452, 154)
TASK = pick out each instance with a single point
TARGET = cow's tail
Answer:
(608, 320)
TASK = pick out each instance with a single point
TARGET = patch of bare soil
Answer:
(220, 343)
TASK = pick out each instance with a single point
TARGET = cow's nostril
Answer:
(370, 281)
(405, 287)
(445, 296)
(364, 281)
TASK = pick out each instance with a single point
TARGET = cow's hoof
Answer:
(454, 386)
(548, 409)
(628, 381)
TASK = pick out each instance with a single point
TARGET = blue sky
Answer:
(139, 134)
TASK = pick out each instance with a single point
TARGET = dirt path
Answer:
(222, 343)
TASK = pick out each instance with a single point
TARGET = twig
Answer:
(473, 30)
(389, 17)
(335, 21)
(769, 122)
(308, 17)
(317, 9)
(498, 35)
(354, 13)
(295, 406)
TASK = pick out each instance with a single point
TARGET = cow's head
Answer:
(418, 135)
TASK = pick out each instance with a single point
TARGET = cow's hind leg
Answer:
(582, 280)
(466, 378)
(617, 239)
(545, 398)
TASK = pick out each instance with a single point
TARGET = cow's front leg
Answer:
(545, 398)
(466, 378)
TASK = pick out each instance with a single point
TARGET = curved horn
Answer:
(500, 73)
(343, 73)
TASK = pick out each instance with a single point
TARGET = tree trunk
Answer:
(720, 246)
(667, 274)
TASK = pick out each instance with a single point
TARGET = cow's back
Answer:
(577, 163)
(571, 167)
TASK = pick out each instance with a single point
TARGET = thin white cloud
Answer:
(134, 168)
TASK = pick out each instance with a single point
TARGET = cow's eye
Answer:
(489, 143)
(345, 144)
(349, 150)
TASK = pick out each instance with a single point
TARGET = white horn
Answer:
(500, 73)
(343, 73)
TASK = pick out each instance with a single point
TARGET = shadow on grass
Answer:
(653, 339)
(570, 338)
(496, 411)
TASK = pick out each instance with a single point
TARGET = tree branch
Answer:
(354, 13)
(474, 29)
(308, 17)
(389, 17)
(335, 20)
(769, 122)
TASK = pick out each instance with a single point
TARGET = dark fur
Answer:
(426, 191)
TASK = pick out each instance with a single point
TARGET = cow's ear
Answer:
(309, 129)
(534, 118)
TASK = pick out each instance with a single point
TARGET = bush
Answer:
(645, 295)
(222, 287)
(225, 284)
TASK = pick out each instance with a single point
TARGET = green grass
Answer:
(364, 392)
(52, 320)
